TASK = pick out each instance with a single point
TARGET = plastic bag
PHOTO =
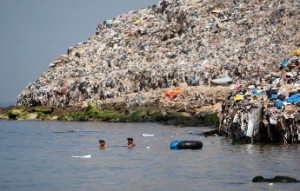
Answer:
(238, 97)
(296, 52)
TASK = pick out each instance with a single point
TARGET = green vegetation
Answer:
(4, 115)
(92, 113)
(42, 116)
(21, 113)
(179, 119)
(14, 113)
(42, 109)
(210, 119)
(175, 118)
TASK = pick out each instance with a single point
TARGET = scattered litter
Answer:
(222, 81)
(147, 135)
(83, 156)
(171, 94)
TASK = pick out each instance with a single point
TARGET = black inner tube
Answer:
(190, 145)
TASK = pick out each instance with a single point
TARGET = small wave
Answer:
(64, 131)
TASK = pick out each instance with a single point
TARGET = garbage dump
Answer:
(267, 110)
(199, 45)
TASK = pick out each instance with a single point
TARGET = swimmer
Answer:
(130, 143)
(102, 144)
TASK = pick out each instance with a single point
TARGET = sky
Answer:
(33, 33)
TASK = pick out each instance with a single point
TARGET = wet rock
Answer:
(282, 179)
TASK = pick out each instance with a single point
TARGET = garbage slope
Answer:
(135, 57)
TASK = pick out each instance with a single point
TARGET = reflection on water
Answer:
(38, 156)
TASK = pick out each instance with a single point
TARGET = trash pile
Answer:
(135, 57)
(267, 110)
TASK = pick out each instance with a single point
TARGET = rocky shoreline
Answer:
(183, 110)
(91, 113)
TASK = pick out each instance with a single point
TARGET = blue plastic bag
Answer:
(284, 63)
(293, 99)
(278, 103)
(257, 92)
(108, 23)
(273, 96)
(195, 14)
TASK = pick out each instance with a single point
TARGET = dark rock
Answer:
(283, 179)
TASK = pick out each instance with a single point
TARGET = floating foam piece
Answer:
(147, 135)
(83, 156)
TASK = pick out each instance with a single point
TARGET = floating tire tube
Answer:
(195, 145)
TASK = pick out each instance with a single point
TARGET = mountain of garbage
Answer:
(266, 111)
(180, 52)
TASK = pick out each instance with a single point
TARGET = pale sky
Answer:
(33, 33)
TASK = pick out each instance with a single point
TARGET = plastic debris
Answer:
(238, 97)
(270, 115)
(83, 156)
(220, 81)
(171, 94)
(147, 135)
(296, 52)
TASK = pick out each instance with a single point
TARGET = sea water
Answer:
(37, 155)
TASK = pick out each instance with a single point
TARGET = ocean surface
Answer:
(37, 155)
(7, 104)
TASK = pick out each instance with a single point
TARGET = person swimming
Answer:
(102, 144)
(130, 142)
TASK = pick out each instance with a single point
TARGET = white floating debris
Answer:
(147, 135)
(83, 156)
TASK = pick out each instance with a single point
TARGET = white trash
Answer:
(83, 156)
(147, 135)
